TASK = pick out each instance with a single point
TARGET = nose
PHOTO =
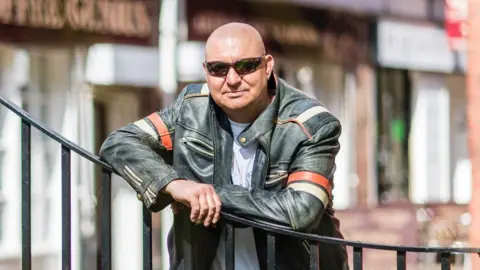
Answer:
(232, 77)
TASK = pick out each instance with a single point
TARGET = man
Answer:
(244, 143)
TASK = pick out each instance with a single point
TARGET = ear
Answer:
(269, 63)
(205, 70)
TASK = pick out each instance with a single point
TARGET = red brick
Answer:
(473, 114)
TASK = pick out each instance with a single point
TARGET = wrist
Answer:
(171, 186)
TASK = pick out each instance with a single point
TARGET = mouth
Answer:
(234, 94)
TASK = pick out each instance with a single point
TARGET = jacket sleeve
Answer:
(141, 153)
(308, 192)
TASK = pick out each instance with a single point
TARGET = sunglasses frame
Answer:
(257, 59)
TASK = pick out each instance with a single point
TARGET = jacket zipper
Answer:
(306, 246)
(265, 167)
(276, 180)
(135, 179)
(190, 141)
(279, 172)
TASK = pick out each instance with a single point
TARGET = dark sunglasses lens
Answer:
(218, 68)
(246, 66)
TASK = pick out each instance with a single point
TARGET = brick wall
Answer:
(398, 225)
(473, 114)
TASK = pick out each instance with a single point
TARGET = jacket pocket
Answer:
(198, 146)
(276, 179)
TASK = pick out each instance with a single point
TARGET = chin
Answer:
(236, 105)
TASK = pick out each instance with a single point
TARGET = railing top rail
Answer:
(284, 230)
(52, 134)
(269, 227)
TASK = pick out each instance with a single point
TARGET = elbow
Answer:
(305, 224)
(306, 216)
(111, 146)
(105, 148)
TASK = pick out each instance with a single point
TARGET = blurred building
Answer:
(51, 67)
(383, 67)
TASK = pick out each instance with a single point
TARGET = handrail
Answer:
(53, 134)
(284, 230)
(270, 228)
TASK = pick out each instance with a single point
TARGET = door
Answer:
(393, 107)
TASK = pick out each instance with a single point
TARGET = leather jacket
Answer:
(291, 183)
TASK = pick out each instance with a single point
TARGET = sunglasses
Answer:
(242, 66)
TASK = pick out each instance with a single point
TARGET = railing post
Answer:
(147, 239)
(66, 209)
(229, 247)
(26, 197)
(401, 260)
(271, 264)
(106, 220)
(313, 256)
(357, 258)
(445, 261)
(187, 229)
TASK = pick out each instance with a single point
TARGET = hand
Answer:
(201, 198)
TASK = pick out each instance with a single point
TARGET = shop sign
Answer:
(133, 19)
(287, 29)
(456, 13)
(421, 47)
(404, 8)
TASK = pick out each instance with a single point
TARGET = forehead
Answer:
(230, 49)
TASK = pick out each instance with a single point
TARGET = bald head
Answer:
(234, 40)
(241, 91)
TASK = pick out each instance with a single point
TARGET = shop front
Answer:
(45, 48)
(420, 87)
(421, 148)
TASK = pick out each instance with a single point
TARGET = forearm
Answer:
(137, 158)
(298, 210)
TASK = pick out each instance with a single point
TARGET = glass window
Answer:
(393, 127)
(2, 225)
(2, 154)
(2, 198)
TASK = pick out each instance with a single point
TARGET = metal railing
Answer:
(106, 222)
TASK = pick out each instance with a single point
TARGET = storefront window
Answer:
(393, 126)
(2, 199)
(45, 99)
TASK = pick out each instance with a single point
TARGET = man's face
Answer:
(238, 87)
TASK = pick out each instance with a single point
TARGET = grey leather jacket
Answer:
(292, 179)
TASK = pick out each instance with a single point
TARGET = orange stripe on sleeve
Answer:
(311, 177)
(162, 130)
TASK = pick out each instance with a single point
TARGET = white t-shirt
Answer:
(242, 167)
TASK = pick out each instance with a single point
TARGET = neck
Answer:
(250, 113)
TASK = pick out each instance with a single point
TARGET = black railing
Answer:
(106, 237)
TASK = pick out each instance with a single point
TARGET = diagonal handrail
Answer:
(270, 228)
(67, 147)
(53, 134)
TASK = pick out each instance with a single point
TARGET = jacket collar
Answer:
(264, 123)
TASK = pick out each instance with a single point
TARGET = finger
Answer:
(211, 210)
(195, 206)
(203, 208)
(218, 207)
